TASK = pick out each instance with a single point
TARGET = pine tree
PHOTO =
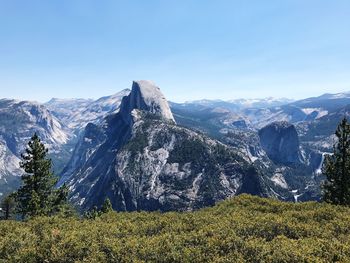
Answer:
(37, 195)
(337, 168)
(60, 199)
(107, 206)
(7, 207)
(92, 213)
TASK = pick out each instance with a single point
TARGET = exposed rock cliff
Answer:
(280, 141)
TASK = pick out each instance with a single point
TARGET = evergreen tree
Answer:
(7, 207)
(107, 206)
(37, 195)
(92, 213)
(336, 168)
(61, 206)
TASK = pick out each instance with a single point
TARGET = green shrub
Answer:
(243, 229)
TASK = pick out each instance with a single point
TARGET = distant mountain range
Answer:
(76, 113)
(239, 104)
(145, 153)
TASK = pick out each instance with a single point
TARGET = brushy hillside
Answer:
(243, 229)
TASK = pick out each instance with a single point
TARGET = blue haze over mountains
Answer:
(145, 153)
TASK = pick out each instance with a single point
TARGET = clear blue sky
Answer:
(191, 48)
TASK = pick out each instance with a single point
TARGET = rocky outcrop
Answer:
(146, 96)
(281, 143)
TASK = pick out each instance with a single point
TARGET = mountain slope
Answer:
(77, 113)
(291, 173)
(141, 159)
(306, 110)
(261, 112)
(19, 121)
(208, 120)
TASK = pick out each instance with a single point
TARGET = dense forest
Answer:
(243, 229)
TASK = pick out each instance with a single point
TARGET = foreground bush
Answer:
(243, 229)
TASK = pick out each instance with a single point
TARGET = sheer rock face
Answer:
(281, 143)
(140, 159)
(146, 96)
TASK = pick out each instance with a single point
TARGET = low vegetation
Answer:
(243, 229)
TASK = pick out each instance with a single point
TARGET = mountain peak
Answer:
(145, 95)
